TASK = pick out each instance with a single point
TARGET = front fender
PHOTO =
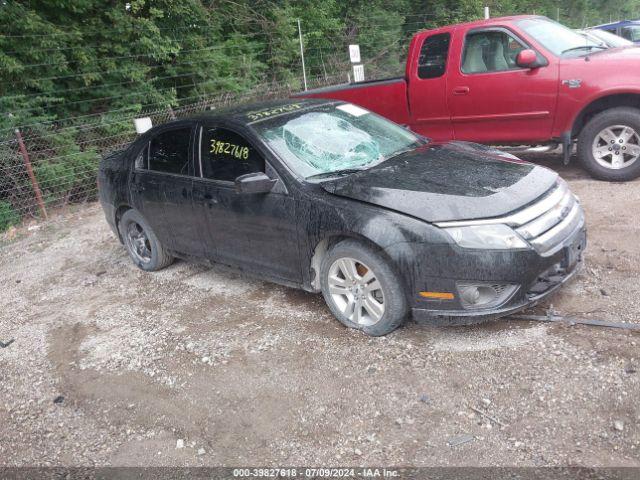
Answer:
(573, 106)
(324, 221)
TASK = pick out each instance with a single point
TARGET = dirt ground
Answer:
(114, 366)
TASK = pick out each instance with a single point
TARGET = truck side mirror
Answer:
(528, 59)
(254, 183)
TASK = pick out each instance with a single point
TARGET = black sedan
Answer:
(331, 198)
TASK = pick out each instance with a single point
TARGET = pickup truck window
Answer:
(169, 151)
(225, 155)
(432, 62)
(490, 51)
(359, 139)
(557, 38)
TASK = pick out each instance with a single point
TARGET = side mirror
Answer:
(254, 183)
(527, 59)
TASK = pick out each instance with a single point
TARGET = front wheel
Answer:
(362, 289)
(609, 145)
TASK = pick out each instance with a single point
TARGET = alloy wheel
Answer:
(356, 291)
(616, 147)
(138, 241)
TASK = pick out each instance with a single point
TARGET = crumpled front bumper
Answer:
(562, 267)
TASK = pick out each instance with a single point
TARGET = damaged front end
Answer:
(493, 267)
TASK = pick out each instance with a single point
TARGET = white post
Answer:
(486, 13)
(304, 71)
(557, 14)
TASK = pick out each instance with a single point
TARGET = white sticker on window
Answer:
(352, 109)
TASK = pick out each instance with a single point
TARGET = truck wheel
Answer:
(362, 289)
(609, 145)
(143, 246)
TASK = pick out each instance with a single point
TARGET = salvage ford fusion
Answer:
(327, 196)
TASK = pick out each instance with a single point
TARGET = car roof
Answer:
(248, 113)
(620, 23)
(496, 21)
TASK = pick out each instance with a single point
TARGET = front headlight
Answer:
(494, 237)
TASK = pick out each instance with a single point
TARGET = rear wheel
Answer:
(141, 243)
(362, 289)
(609, 145)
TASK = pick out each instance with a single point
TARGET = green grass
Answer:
(8, 216)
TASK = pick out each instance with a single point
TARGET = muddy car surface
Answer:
(329, 197)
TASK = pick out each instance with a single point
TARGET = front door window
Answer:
(226, 155)
(490, 51)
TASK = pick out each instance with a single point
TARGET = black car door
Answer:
(256, 232)
(163, 186)
(146, 196)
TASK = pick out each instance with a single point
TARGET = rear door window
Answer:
(169, 151)
(225, 155)
(432, 62)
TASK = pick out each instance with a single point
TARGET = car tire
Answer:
(380, 310)
(600, 149)
(142, 244)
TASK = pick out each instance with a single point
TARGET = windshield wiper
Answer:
(582, 47)
(398, 153)
(336, 173)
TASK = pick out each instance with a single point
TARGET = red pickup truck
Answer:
(522, 80)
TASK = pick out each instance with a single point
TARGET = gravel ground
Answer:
(198, 366)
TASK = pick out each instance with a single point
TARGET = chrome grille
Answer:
(547, 227)
(545, 224)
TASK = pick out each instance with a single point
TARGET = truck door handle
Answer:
(461, 90)
(209, 199)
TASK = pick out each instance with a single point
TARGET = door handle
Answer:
(461, 90)
(209, 199)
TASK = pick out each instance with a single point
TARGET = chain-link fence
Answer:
(44, 167)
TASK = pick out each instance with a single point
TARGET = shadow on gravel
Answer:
(553, 160)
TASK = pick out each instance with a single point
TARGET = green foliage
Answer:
(8, 216)
(61, 59)
(98, 64)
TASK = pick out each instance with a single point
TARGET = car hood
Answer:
(447, 181)
(622, 54)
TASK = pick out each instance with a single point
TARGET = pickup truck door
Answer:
(427, 79)
(491, 99)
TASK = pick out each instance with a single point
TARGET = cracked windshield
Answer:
(359, 140)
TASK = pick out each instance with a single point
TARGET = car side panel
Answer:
(253, 232)
(113, 192)
(579, 87)
(427, 97)
(180, 217)
(516, 105)
(325, 217)
(147, 196)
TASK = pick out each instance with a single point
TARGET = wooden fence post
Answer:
(32, 177)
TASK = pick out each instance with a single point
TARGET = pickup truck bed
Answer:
(388, 97)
